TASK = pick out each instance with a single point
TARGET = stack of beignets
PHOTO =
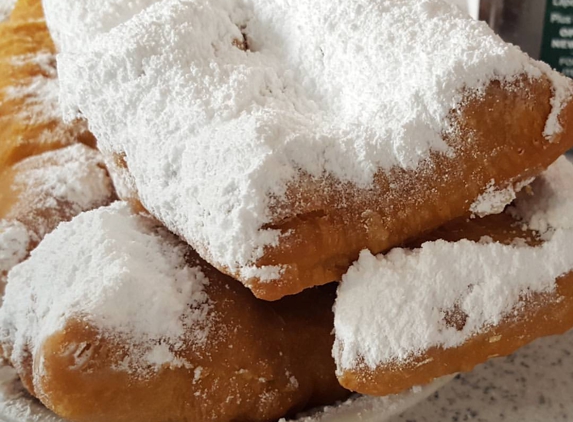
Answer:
(231, 357)
(286, 122)
(286, 145)
(134, 326)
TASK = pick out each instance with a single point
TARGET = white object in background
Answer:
(469, 6)
(473, 8)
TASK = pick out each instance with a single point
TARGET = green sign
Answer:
(557, 44)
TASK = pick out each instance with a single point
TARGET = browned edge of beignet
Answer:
(499, 138)
(262, 362)
(538, 315)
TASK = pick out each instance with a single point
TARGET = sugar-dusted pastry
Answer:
(30, 117)
(472, 291)
(43, 190)
(281, 138)
(96, 16)
(114, 319)
(43, 181)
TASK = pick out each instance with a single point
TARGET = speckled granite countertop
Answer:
(533, 385)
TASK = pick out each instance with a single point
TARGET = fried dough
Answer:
(237, 358)
(507, 146)
(30, 120)
(47, 175)
(462, 333)
(281, 141)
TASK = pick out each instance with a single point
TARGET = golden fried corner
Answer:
(537, 315)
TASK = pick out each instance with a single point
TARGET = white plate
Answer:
(533, 385)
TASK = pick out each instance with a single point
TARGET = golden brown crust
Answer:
(541, 315)
(26, 132)
(500, 139)
(27, 10)
(262, 361)
(24, 36)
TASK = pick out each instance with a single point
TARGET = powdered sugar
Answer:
(391, 308)
(552, 204)
(74, 175)
(214, 135)
(14, 241)
(560, 97)
(37, 99)
(6, 7)
(115, 270)
(494, 201)
(41, 92)
(96, 17)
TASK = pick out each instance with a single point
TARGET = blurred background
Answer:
(542, 28)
